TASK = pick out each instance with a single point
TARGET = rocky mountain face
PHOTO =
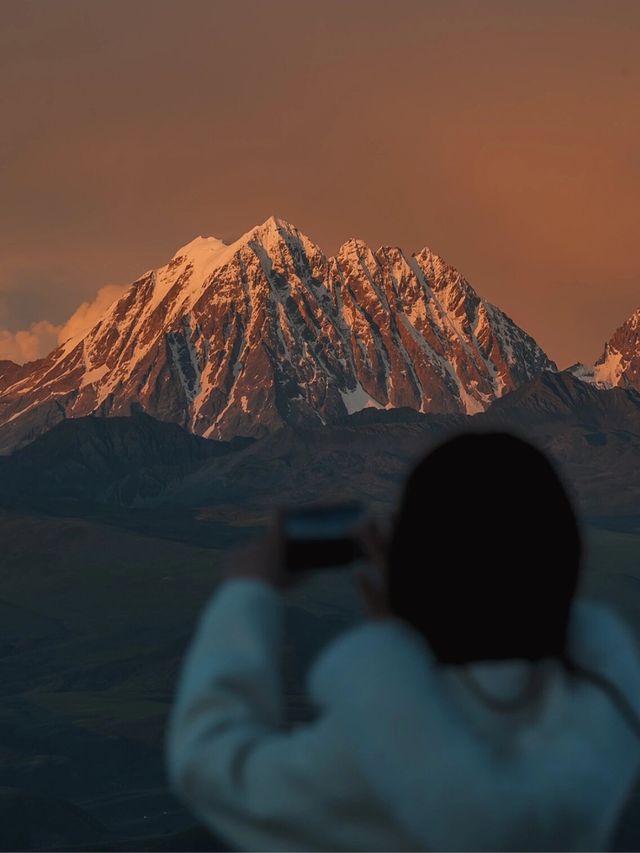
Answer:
(241, 339)
(619, 364)
(620, 361)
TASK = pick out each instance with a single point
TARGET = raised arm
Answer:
(230, 759)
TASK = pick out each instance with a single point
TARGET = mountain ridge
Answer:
(241, 338)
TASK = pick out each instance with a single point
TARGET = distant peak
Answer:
(268, 231)
(207, 254)
(632, 322)
(354, 246)
(201, 245)
(274, 227)
(389, 250)
(426, 253)
(277, 222)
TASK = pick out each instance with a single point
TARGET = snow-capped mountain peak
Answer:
(201, 247)
(239, 338)
(619, 364)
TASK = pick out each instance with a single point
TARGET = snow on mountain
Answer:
(240, 339)
(620, 361)
(619, 364)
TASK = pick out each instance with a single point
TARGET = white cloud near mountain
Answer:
(43, 337)
(89, 313)
(29, 344)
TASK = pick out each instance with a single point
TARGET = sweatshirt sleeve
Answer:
(229, 758)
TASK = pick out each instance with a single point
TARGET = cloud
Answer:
(29, 344)
(88, 314)
(43, 337)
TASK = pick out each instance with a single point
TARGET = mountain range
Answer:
(267, 334)
(241, 339)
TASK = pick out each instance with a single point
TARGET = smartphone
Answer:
(321, 536)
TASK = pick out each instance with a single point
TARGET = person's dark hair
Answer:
(485, 555)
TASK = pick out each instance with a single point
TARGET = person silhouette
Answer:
(482, 705)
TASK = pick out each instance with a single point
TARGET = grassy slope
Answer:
(94, 621)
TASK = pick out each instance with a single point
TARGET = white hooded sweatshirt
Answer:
(405, 754)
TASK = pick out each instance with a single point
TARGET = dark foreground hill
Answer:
(119, 461)
(593, 435)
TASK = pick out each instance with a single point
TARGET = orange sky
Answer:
(502, 133)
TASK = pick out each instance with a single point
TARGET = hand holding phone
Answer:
(321, 536)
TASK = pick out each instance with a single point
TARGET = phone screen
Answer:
(321, 537)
